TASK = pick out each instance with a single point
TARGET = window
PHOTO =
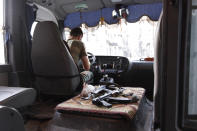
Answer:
(178, 82)
(192, 100)
(190, 86)
(132, 40)
(2, 45)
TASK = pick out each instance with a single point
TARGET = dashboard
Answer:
(125, 72)
(110, 64)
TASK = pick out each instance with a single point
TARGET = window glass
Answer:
(2, 48)
(192, 108)
(132, 40)
(194, 2)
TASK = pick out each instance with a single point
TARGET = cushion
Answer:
(16, 96)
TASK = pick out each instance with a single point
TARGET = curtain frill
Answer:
(92, 18)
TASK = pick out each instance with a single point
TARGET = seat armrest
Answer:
(16, 96)
(10, 119)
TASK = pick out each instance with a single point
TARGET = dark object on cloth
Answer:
(106, 95)
(121, 100)
(101, 100)
(76, 105)
(101, 89)
(108, 101)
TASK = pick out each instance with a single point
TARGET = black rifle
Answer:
(106, 95)
(101, 100)
(100, 90)
(121, 100)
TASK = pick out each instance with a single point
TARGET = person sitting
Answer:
(78, 52)
(77, 48)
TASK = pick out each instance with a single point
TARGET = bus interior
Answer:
(134, 48)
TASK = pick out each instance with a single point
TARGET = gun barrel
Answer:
(101, 103)
(121, 100)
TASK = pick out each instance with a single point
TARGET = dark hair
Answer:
(76, 32)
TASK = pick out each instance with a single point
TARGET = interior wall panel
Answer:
(3, 79)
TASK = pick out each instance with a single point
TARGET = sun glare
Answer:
(2, 54)
(131, 40)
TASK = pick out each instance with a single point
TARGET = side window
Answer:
(190, 86)
(2, 33)
(192, 97)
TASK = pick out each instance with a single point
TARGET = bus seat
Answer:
(16, 97)
(142, 75)
(54, 68)
(10, 119)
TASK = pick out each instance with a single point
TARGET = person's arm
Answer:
(85, 62)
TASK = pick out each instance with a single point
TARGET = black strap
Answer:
(66, 44)
(57, 77)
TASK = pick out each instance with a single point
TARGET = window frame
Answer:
(185, 121)
(189, 117)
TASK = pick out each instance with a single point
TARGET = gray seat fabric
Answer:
(10, 120)
(54, 68)
(16, 96)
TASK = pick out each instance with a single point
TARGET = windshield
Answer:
(2, 33)
(131, 40)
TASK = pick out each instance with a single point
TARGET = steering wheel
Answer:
(92, 58)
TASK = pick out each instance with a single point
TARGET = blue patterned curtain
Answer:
(92, 18)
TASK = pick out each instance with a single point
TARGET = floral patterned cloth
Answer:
(85, 107)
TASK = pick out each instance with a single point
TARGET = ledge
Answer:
(5, 68)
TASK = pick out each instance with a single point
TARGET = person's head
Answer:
(76, 33)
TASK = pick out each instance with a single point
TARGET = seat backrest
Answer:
(141, 74)
(54, 68)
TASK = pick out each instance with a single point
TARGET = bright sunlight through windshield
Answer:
(2, 55)
(132, 40)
